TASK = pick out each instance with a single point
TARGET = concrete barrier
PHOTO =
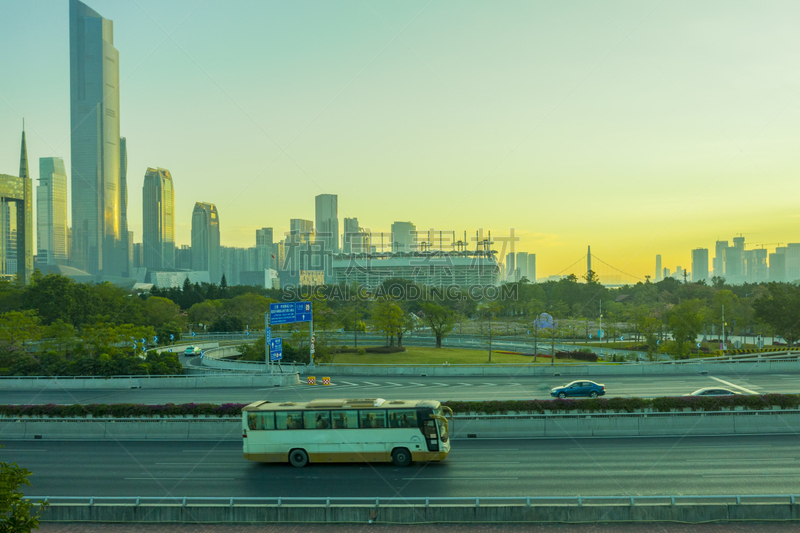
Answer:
(634, 369)
(394, 514)
(149, 382)
(466, 426)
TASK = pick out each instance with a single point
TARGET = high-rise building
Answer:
(777, 265)
(205, 241)
(183, 257)
(755, 265)
(404, 237)
(532, 268)
(699, 264)
(734, 264)
(158, 219)
(51, 212)
(658, 268)
(327, 221)
(666, 273)
(303, 229)
(99, 234)
(265, 251)
(350, 231)
(123, 205)
(792, 262)
(719, 258)
(16, 220)
(511, 268)
(521, 261)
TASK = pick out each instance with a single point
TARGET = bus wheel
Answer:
(401, 457)
(298, 458)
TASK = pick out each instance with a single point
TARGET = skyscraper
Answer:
(349, 234)
(16, 220)
(264, 249)
(327, 222)
(123, 205)
(699, 264)
(511, 268)
(404, 237)
(51, 212)
(719, 258)
(158, 219)
(658, 268)
(521, 261)
(99, 233)
(205, 241)
(532, 268)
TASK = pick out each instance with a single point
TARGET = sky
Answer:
(639, 128)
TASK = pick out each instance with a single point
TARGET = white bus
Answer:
(343, 431)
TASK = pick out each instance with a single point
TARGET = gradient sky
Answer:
(638, 127)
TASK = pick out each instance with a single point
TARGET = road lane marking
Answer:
(442, 384)
(180, 478)
(728, 383)
(201, 463)
(455, 478)
(419, 384)
(466, 384)
(371, 383)
(353, 384)
(395, 384)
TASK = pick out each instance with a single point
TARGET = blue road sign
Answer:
(194, 334)
(171, 337)
(155, 339)
(134, 345)
(276, 349)
(247, 333)
(600, 333)
(269, 334)
(144, 341)
(698, 344)
(529, 332)
(287, 313)
(590, 335)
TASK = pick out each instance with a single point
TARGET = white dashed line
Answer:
(728, 383)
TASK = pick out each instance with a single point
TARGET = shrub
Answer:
(361, 351)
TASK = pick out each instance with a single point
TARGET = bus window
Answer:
(405, 418)
(317, 419)
(289, 420)
(345, 419)
(259, 421)
(373, 419)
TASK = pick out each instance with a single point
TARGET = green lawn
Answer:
(436, 356)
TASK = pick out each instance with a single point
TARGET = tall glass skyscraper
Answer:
(327, 222)
(158, 220)
(51, 212)
(205, 241)
(99, 231)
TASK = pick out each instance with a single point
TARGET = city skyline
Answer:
(687, 201)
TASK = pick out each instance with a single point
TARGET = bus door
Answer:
(429, 430)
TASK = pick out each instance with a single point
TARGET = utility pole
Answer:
(724, 346)
(535, 342)
(553, 342)
(490, 344)
(600, 329)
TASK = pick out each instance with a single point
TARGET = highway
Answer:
(482, 468)
(440, 388)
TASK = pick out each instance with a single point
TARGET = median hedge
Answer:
(597, 405)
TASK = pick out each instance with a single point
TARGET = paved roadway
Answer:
(440, 388)
(482, 468)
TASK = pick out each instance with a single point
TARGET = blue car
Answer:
(579, 388)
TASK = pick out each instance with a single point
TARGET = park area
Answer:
(438, 356)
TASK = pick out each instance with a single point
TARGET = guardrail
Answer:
(527, 501)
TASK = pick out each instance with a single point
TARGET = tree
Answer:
(20, 327)
(206, 312)
(440, 319)
(388, 317)
(17, 515)
(780, 309)
(686, 321)
(160, 311)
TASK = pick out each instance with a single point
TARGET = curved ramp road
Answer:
(455, 388)
(564, 467)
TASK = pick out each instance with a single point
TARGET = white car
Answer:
(192, 351)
